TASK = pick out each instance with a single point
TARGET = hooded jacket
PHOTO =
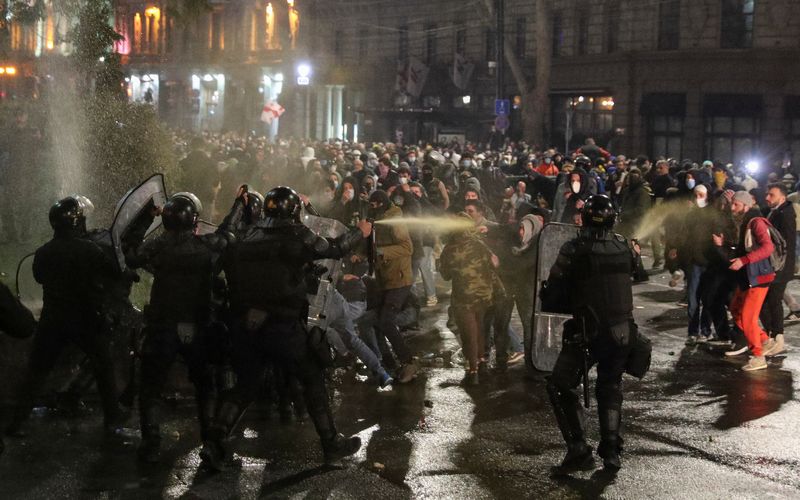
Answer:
(394, 249)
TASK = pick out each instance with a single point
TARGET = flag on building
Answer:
(462, 71)
(417, 75)
(271, 111)
(401, 78)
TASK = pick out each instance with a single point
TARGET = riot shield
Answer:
(318, 303)
(28, 290)
(542, 350)
(131, 205)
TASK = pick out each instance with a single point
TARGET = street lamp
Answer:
(303, 74)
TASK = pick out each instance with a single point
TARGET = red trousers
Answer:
(745, 308)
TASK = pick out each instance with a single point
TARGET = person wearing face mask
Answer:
(636, 200)
(346, 205)
(411, 160)
(577, 192)
(393, 274)
(547, 167)
(434, 188)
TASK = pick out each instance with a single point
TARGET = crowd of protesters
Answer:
(713, 226)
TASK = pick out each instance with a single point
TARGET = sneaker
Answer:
(767, 346)
(792, 317)
(515, 357)
(778, 346)
(737, 350)
(407, 373)
(432, 301)
(755, 363)
(386, 380)
(691, 340)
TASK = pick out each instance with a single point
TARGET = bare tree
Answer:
(534, 92)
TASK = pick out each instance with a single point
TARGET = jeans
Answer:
(772, 310)
(424, 266)
(342, 315)
(699, 316)
(392, 302)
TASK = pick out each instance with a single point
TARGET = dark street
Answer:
(695, 427)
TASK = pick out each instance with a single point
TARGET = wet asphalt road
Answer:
(696, 427)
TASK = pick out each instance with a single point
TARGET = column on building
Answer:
(337, 111)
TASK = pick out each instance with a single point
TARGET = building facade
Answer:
(677, 78)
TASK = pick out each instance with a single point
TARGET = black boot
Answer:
(339, 447)
(569, 416)
(150, 449)
(609, 411)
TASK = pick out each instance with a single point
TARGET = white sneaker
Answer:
(755, 363)
(777, 346)
(432, 301)
(737, 351)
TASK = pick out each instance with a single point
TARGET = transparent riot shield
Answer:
(543, 348)
(28, 290)
(318, 303)
(131, 205)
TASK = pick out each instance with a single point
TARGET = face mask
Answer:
(690, 183)
(335, 184)
(403, 180)
(547, 161)
(412, 159)
(576, 187)
(466, 163)
(349, 193)
(701, 202)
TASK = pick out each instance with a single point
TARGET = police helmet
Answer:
(599, 212)
(255, 207)
(68, 215)
(583, 161)
(198, 206)
(180, 213)
(283, 203)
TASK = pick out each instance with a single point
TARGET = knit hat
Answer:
(744, 198)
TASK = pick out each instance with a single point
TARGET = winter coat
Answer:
(394, 249)
(466, 260)
(784, 220)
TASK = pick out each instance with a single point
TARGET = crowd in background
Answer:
(694, 215)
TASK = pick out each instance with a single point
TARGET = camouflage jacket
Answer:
(467, 262)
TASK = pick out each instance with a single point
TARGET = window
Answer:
(583, 33)
(579, 117)
(558, 35)
(338, 45)
(792, 115)
(521, 37)
(732, 127)
(363, 41)
(489, 45)
(669, 24)
(402, 43)
(137, 33)
(461, 41)
(430, 43)
(737, 24)
(664, 116)
(612, 26)
(216, 31)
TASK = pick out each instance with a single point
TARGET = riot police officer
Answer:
(592, 278)
(179, 318)
(266, 271)
(71, 270)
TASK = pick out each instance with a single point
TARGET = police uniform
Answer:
(267, 272)
(179, 316)
(593, 278)
(71, 270)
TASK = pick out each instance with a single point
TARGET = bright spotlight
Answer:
(304, 70)
(752, 166)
